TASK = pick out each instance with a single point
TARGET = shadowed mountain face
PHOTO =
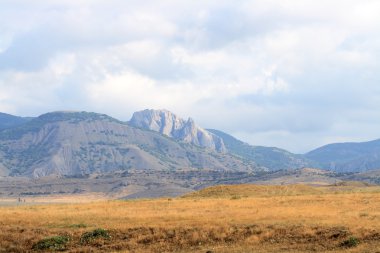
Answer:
(171, 125)
(7, 120)
(348, 157)
(78, 143)
(269, 157)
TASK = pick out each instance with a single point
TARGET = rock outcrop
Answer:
(169, 124)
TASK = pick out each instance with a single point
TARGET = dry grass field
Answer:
(243, 218)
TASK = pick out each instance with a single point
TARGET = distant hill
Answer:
(80, 143)
(371, 176)
(169, 124)
(348, 157)
(269, 157)
(252, 190)
(7, 120)
(237, 191)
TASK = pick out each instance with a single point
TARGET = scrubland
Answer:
(241, 218)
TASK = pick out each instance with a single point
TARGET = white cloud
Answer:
(124, 93)
(23, 92)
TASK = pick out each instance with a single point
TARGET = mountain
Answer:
(7, 120)
(83, 143)
(171, 125)
(348, 157)
(80, 143)
(269, 157)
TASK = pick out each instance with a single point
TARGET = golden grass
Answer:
(248, 190)
(315, 221)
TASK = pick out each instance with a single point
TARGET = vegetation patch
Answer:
(52, 243)
(350, 242)
(95, 234)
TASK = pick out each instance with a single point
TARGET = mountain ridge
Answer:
(348, 156)
(61, 144)
(8, 120)
(270, 157)
(70, 142)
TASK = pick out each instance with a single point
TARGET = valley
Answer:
(154, 184)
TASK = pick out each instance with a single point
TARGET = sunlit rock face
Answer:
(169, 124)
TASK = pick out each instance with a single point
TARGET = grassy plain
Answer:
(242, 218)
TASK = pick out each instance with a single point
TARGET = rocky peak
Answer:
(169, 124)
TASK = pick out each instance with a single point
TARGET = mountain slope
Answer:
(269, 157)
(7, 120)
(171, 125)
(371, 176)
(78, 143)
(348, 157)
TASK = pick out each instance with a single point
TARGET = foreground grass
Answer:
(303, 221)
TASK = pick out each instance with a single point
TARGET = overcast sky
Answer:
(292, 74)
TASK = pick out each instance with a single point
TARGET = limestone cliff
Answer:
(169, 124)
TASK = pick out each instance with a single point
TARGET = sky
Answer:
(294, 74)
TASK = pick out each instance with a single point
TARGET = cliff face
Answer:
(171, 125)
(78, 143)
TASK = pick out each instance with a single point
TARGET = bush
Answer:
(97, 233)
(350, 242)
(52, 243)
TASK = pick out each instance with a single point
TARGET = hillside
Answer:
(348, 157)
(371, 176)
(80, 143)
(251, 190)
(269, 157)
(7, 120)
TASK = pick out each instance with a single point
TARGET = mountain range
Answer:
(62, 144)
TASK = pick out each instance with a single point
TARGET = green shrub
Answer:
(52, 243)
(97, 233)
(350, 242)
